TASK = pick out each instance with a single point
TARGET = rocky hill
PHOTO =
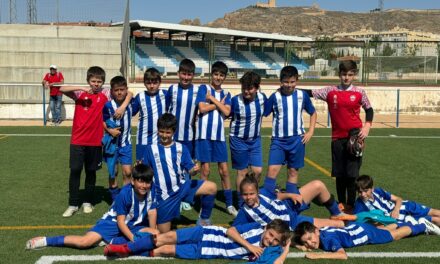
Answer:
(313, 21)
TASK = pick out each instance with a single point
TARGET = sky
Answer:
(174, 11)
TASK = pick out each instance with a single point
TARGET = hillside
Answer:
(312, 21)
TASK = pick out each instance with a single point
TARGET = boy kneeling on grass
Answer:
(132, 213)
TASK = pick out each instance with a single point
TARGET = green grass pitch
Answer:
(35, 173)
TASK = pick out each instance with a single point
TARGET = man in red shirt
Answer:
(87, 133)
(344, 102)
(50, 79)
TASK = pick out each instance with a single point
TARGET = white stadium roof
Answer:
(144, 24)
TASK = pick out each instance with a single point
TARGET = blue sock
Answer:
(207, 205)
(113, 192)
(141, 245)
(333, 208)
(119, 240)
(240, 200)
(417, 229)
(270, 184)
(56, 241)
(228, 197)
(291, 188)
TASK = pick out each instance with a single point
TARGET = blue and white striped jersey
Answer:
(211, 124)
(267, 210)
(171, 166)
(382, 201)
(124, 123)
(246, 116)
(216, 243)
(150, 108)
(333, 239)
(287, 113)
(135, 210)
(182, 103)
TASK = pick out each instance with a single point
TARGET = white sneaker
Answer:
(431, 228)
(232, 211)
(70, 211)
(185, 206)
(36, 242)
(87, 208)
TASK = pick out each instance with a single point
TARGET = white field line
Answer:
(77, 258)
(265, 136)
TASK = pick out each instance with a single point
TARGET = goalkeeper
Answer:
(344, 102)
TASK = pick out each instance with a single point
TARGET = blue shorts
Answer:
(245, 152)
(416, 210)
(288, 150)
(189, 240)
(108, 230)
(295, 210)
(190, 145)
(125, 155)
(140, 151)
(376, 235)
(169, 209)
(211, 151)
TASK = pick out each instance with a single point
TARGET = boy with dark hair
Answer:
(288, 134)
(344, 102)
(210, 242)
(117, 139)
(334, 240)
(87, 133)
(371, 198)
(173, 166)
(247, 110)
(211, 142)
(181, 100)
(151, 105)
(132, 213)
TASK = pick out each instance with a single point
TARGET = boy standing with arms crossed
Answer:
(211, 143)
(87, 132)
(288, 134)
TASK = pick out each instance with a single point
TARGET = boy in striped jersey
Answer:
(247, 110)
(132, 213)
(371, 198)
(288, 134)
(151, 105)
(333, 240)
(240, 242)
(181, 100)
(173, 169)
(210, 144)
(120, 132)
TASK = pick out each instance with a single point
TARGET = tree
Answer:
(324, 48)
(388, 50)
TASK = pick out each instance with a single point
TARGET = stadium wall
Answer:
(28, 50)
(412, 100)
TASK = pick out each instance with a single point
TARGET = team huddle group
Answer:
(181, 131)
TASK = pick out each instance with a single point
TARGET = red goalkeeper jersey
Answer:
(344, 107)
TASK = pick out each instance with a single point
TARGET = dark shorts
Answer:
(343, 163)
(88, 156)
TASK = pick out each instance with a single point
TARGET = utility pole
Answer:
(379, 46)
(12, 12)
(32, 11)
